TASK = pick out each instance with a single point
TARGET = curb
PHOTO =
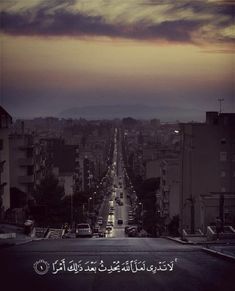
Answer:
(179, 241)
(198, 243)
(219, 254)
(23, 242)
(12, 244)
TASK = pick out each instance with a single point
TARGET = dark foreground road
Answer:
(113, 264)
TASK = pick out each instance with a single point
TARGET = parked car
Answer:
(83, 230)
(120, 221)
(132, 232)
(109, 227)
(100, 220)
(126, 229)
(110, 222)
(131, 221)
(97, 232)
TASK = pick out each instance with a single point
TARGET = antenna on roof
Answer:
(220, 104)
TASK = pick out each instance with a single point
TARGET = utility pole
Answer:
(220, 104)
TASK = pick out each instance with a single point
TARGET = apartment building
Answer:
(22, 162)
(5, 123)
(169, 189)
(207, 172)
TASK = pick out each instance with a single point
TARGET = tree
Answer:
(173, 226)
(49, 205)
(147, 196)
(18, 198)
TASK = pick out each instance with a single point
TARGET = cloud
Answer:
(173, 21)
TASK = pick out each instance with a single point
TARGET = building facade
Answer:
(207, 172)
(5, 124)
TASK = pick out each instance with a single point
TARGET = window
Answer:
(1, 144)
(223, 156)
(223, 141)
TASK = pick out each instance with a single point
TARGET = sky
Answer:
(61, 54)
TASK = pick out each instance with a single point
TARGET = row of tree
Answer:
(49, 206)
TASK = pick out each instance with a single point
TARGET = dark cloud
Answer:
(178, 30)
(66, 23)
(60, 23)
(57, 18)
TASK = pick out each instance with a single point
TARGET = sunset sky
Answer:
(61, 54)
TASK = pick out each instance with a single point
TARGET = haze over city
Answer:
(58, 55)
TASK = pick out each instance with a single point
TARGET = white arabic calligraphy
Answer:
(132, 266)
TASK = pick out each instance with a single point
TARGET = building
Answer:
(168, 194)
(22, 162)
(5, 123)
(207, 172)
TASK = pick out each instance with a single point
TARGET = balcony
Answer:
(26, 179)
(24, 162)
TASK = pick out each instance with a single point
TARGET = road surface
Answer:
(174, 266)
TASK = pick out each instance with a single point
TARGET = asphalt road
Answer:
(118, 264)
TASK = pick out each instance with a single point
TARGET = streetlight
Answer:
(89, 206)
(142, 213)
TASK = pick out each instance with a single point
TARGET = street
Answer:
(113, 211)
(191, 268)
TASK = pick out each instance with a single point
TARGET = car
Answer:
(126, 229)
(120, 221)
(110, 222)
(109, 227)
(131, 221)
(129, 228)
(132, 232)
(100, 220)
(121, 195)
(97, 232)
(83, 230)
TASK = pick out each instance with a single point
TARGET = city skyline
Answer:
(57, 55)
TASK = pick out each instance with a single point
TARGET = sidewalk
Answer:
(224, 248)
(14, 241)
(226, 251)
(18, 237)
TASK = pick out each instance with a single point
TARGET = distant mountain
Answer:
(165, 113)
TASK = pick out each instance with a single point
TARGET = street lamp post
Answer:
(89, 205)
(142, 213)
(71, 210)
